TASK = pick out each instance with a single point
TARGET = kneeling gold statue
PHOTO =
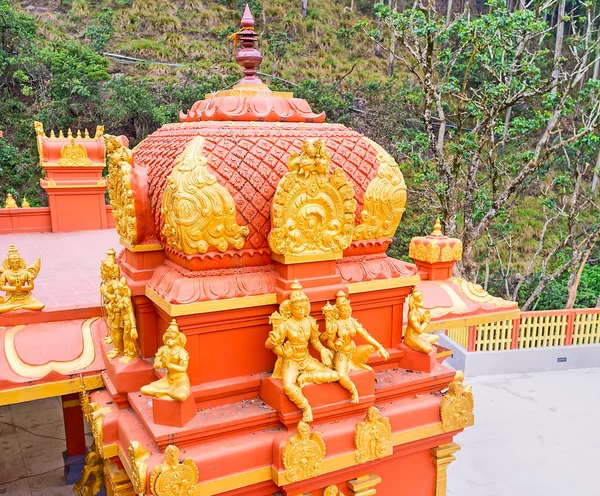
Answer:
(92, 478)
(16, 280)
(416, 336)
(173, 356)
(340, 329)
(293, 328)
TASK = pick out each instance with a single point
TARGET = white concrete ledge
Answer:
(477, 363)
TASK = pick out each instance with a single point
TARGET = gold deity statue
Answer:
(173, 356)
(16, 280)
(92, 478)
(340, 330)
(10, 202)
(416, 336)
(116, 300)
(293, 328)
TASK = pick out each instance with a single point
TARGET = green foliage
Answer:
(101, 33)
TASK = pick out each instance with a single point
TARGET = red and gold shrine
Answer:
(254, 323)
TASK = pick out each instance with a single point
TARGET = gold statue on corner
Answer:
(293, 328)
(16, 280)
(340, 330)
(92, 476)
(416, 336)
(174, 357)
(116, 300)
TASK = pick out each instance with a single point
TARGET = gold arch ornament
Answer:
(373, 437)
(198, 212)
(385, 199)
(138, 456)
(303, 454)
(175, 478)
(86, 357)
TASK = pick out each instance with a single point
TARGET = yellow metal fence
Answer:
(532, 330)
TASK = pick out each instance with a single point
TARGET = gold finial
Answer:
(14, 268)
(87, 133)
(60, 134)
(52, 135)
(79, 133)
(99, 132)
(437, 228)
(69, 133)
(39, 128)
(10, 202)
(25, 203)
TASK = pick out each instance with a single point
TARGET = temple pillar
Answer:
(74, 455)
(363, 485)
(442, 457)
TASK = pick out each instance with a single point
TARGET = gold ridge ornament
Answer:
(120, 165)
(312, 213)
(16, 280)
(174, 478)
(293, 329)
(175, 385)
(303, 454)
(340, 330)
(416, 336)
(138, 455)
(373, 437)
(74, 155)
(456, 407)
(198, 212)
(385, 199)
(476, 293)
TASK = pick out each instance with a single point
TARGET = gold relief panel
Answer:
(120, 164)
(139, 467)
(456, 407)
(476, 293)
(198, 212)
(385, 199)
(175, 478)
(74, 155)
(373, 437)
(303, 454)
(313, 209)
(96, 415)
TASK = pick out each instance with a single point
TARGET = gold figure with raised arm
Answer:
(174, 357)
(92, 476)
(16, 280)
(340, 330)
(293, 328)
(416, 336)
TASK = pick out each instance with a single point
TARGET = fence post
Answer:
(570, 326)
(514, 339)
(472, 338)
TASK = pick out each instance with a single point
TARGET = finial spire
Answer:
(248, 56)
(437, 228)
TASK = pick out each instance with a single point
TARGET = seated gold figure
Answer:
(174, 357)
(293, 328)
(92, 476)
(340, 330)
(16, 280)
(416, 336)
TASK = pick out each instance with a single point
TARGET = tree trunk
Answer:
(449, 12)
(574, 280)
(560, 32)
(392, 46)
(596, 169)
(378, 46)
(304, 8)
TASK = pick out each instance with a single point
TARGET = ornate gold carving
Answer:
(10, 201)
(442, 457)
(416, 336)
(373, 437)
(447, 253)
(457, 250)
(116, 301)
(293, 328)
(332, 491)
(303, 454)
(456, 407)
(313, 209)
(139, 468)
(435, 247)
(25, 203)
(92, 476)
(74, 155)
(174, 357)
(120, 164)
(198, 212)
(97, 414)
(16, 280)
(385, 199)
(340, 329)
(174, 478)
(433, 253)
(476, 293)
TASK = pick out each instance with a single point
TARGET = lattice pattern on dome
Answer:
(250, 160)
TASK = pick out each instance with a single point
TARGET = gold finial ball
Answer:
(437, 228)
(10, 202)
(25, 203)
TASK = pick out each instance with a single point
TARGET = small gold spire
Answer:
(437, 228)
(25, 203)
(69, 133)
(87, 133)
(60, 134)
(79, 133)
(52, 135)
(10, 202)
